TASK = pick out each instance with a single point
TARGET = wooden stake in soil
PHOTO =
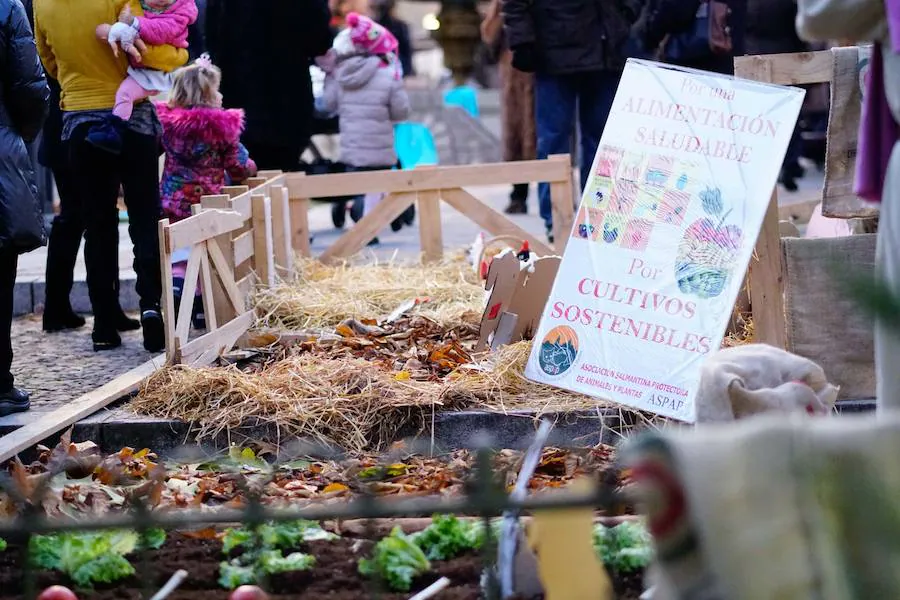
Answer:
(173, 583)
(432, 590)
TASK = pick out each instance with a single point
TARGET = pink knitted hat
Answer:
(370, 37)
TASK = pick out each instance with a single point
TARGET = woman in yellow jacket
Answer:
(89, 76)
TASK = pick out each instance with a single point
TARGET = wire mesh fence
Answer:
(484, 496)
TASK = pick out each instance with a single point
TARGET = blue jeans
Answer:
(558, 98)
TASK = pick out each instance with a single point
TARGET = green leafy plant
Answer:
(625, 548)
(89, 558)
(448, 537)
(153, 538)
(2, 545)
(263, 551)
(397, 560)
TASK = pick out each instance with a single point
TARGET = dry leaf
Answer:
(335, 487)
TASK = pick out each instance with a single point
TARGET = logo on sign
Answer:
(559, 349)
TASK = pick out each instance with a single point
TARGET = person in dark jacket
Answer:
(771, 30)
(576, 50)
(24, 97)
(264, 50)
(197, 32)
(384, 13)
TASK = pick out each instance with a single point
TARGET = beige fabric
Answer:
(746, 380)
(823, 323)
(797, 508)
(838, 200)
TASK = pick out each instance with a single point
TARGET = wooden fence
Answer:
(428, 187)
(767, 276)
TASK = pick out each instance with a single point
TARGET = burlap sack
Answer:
(823, 324)
(742, 381)
(839, 201)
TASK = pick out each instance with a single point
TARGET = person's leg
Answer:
(130, 92)
(62, 254)
(140, 179)
(95, 176)
(595, 99)
(11, 399)
(887, 269)
(555, 114)
(791, 169)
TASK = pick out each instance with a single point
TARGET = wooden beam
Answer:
(416, 180)
(243, 248)
(766, 276)
(391, 207)
(490, 220)
(300, 226)
(206, 348)
(226, 277)
(191, 275)
(46, 425)
(431, 235)
(201, 227)
(799, 68)
(209, 304)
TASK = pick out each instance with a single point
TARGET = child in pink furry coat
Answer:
(203, 151)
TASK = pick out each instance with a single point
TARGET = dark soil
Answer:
(334, 576)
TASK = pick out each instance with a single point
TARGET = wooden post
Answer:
(431, 236)
(562, 198)
(263, 258)
(299, 214)
(766, 275)
(168, 296)
(281, 227)
(224, 311)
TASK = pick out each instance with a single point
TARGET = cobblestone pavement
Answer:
(57, 368)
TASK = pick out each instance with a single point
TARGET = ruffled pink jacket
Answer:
(170, 27)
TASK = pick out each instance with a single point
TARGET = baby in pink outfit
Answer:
(165, 22)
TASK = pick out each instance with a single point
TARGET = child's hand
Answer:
(327, 61)
(125, 15)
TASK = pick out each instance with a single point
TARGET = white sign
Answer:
(667, 225)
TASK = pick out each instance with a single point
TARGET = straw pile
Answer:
(349, 402)
(324, 296)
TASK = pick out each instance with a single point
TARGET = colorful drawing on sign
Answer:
(674, 207)
(708, 249)
(588, 224)
(659, 170)
(637, 234)
(559, 349)
(608, 164)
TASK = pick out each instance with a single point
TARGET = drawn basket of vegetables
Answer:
(708, 250)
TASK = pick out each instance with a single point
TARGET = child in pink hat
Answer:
(365, 37)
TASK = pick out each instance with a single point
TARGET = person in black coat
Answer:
(576, 48)
(24, 96)
(264, 50)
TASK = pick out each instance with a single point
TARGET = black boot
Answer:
(518, 200)
(105, 336)
(339, 214)
(198, 316)
(154, 332)
(14, 401)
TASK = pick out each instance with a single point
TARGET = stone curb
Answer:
(451, 431)
(29, 296)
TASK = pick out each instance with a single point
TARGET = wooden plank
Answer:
(391, 207)
(183, 325)
(787, 69)
(415, 180)
(209, 304)
(490, 220)
(206, 348)
(223, 309)
(280, 230)
(233, 191)
(168, 293)
(300, 226)
(766, 276)
(48, 424)
(254, 183)
(268, 174)
(799, 212)
(201, 227)
(431, 235)
(243, 248)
